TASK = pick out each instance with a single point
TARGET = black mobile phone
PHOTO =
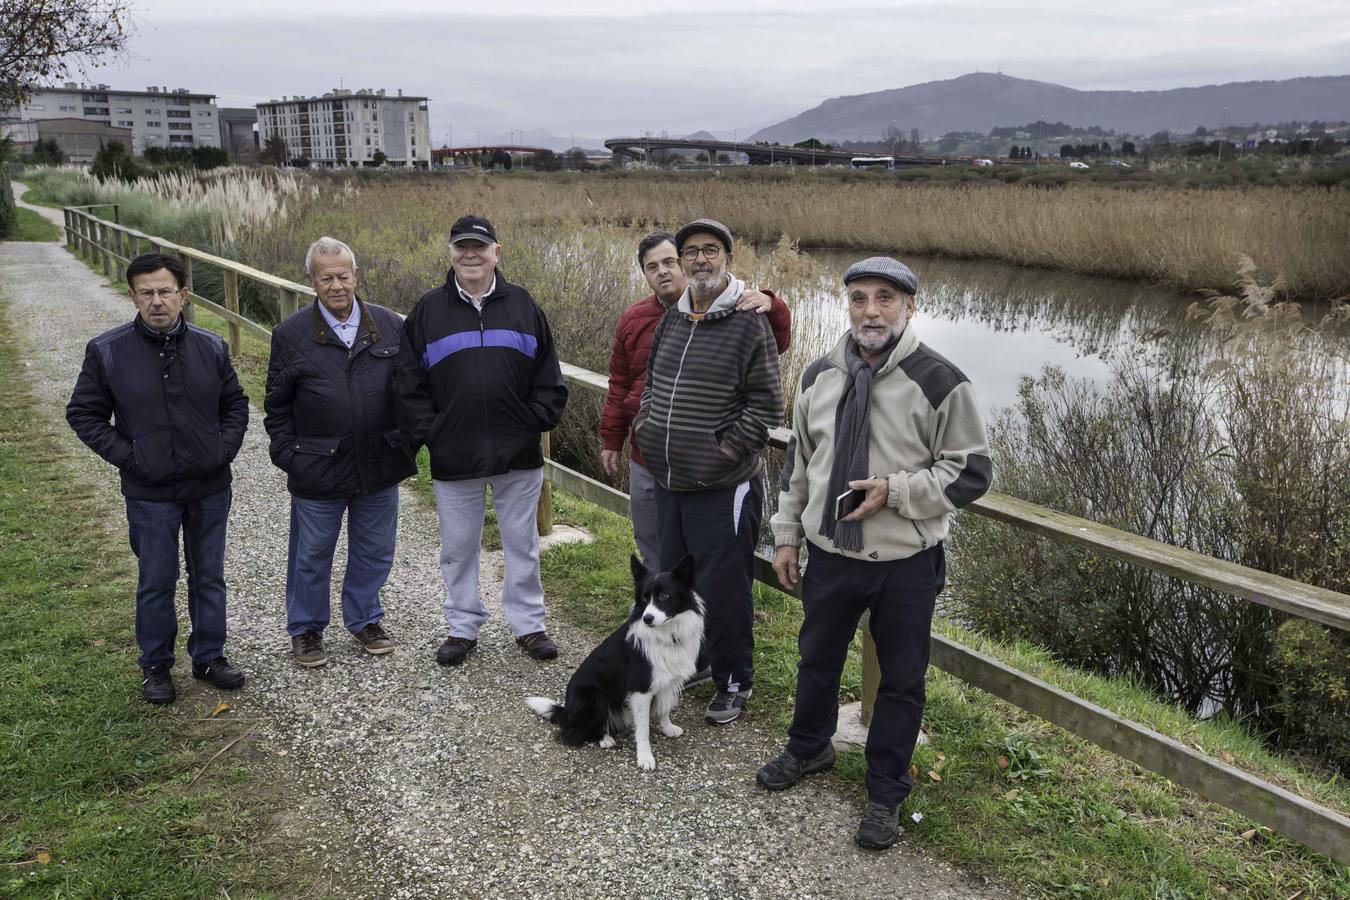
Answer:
(847, 502)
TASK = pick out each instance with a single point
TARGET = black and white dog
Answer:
(637, 673)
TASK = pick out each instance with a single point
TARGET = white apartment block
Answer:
(347, 128)
(156, 116)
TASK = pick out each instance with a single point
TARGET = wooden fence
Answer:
(1320, 828)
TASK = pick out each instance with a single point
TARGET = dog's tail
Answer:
(549, 709)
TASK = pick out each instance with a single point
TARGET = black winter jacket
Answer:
(479, 388)
(330, 410)
(165, 409)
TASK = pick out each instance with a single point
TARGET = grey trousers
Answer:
(461, 505)
(642, 508)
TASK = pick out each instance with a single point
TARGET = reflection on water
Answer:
(997, 322)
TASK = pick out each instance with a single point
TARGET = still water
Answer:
(998, 323)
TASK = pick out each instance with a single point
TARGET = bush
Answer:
(1312, 666)
(1239, 453)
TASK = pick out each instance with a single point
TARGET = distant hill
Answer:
(982, 101)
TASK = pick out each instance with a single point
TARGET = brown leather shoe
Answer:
(308, 650)
(539, 645)
(374, 638)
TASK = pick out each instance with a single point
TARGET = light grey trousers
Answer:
(642, 508)
(461, 506)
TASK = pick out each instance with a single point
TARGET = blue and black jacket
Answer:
(478, 388)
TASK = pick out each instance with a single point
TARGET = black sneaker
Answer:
(453, 651)
(879, 828)
(702, 676)
(158, 686)
(219, 673)
(726, 707)
(783, 772)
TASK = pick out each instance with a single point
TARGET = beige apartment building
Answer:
(156, 116)
(347, 128)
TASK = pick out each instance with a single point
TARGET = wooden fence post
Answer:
(871, 670)
(232, 304)
(189, 308)
(544, 515)
(103, 249)
(70, 229)
(287, 302)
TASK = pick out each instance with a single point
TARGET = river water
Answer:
(998, 323)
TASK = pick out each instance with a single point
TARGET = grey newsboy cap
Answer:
(893, 270)
(705, 226)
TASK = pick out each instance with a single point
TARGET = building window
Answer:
(153, 125)
(37, 106)
(179, 113)
(124, 110)
(96, 110)
(180, 126)
(126, 123)
(68, 109)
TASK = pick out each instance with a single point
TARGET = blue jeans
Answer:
(153, 526)
(372, 523)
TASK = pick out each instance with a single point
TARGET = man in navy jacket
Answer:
(330, 415)
(159, 399)
(478, 383)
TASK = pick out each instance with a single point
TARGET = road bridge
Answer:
(640, 148)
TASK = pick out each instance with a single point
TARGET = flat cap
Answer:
(703, 226)
(893, 270)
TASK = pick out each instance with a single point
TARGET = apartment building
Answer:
(347, 128)
(157, 116)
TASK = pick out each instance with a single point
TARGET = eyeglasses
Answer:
(162, 293)
(710, 252)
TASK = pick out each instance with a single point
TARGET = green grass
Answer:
(1064, 818)
(96, 798)
(32, 227)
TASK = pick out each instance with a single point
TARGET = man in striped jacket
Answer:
(712, 394)
(887, 443)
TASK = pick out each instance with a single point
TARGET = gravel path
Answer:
(434, 782)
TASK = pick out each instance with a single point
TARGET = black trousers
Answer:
(900, 595)
(720, 527)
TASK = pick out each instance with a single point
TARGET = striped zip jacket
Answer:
(712, 394)
(926, 437)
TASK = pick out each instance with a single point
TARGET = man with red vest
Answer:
(628, 373)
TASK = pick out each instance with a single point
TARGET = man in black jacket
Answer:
(159, 399)
(478, 382)
(330, 415)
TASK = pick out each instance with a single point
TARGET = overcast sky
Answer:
(612, 67)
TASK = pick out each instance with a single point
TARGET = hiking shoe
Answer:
(375, 639)
(308, 650)
(219, 673)
(879, 828)
(158, 686)
(539, 645)
(785, 770)
(726, 707)
(702, 676)
(453, 651)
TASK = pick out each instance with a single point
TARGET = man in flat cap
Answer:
(478, 383)
(712, 394)
(887, 443)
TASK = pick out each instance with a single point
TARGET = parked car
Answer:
(1117, 164)
(981, 162)
(1079, 165)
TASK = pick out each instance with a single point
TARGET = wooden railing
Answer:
(1320, 828)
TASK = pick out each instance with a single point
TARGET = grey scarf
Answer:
(852, 429)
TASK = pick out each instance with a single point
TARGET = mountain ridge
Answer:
(980, 101)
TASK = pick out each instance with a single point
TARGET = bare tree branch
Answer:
(45, 40)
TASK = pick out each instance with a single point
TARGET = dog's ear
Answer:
(639, 572)
(684, 570)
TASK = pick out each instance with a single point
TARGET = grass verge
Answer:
(1012, 796)
(98, 795)
(32, 227)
